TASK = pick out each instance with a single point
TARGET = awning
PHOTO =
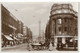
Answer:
(75, 37)
(16, 38)
(8, 37)
(36, 44)
(64, 36)
(20, 35)
(24, 37)
(12, 27)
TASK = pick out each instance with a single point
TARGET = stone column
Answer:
(52, 32)
(55, 41)
(56, 27)
(63, 25)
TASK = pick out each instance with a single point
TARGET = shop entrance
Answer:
(59, 40)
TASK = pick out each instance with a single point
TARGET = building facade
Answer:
(20, 27)
(8, 21)
(27, 33)
(12, 29)
(10, 24)
(62, 26)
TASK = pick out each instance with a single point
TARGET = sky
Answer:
(30, 13)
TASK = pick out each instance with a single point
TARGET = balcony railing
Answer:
(63, 11)
(61, 6)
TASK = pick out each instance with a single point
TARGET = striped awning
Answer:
(8, 37)
(16, 38)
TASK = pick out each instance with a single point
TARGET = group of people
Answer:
(60, 45)
(42, 46)
(6, 41)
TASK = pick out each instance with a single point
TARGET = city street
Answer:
(39, 27)
(22, 47)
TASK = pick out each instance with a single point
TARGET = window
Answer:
(59, 28)
(65, 29)
(65, 20)
(60, 21)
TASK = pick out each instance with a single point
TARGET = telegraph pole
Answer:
(39, 30)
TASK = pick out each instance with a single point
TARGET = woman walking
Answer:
(50, 46)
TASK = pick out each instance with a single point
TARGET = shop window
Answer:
(59, 40)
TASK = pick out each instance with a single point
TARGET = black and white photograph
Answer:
(39, 26)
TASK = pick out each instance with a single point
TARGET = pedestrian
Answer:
(75, 45)
(66, 46)
(5, 40)
(57, 45)
(50, 47)
(61, 45)
(29, 46)
(11, 42)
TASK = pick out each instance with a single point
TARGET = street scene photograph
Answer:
(39, 26)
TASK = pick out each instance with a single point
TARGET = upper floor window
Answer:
(65, 29)
(59, 28)
(65, 20)
(59, 21)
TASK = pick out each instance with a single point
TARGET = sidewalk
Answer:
(20, 47)
(53, 49)
(68, 49)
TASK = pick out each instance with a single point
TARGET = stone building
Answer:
(12, 28)
(62, 25)
(27, 34)
(9, 22)
(20, 28)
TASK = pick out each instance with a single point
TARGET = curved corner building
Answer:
(62, 26)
